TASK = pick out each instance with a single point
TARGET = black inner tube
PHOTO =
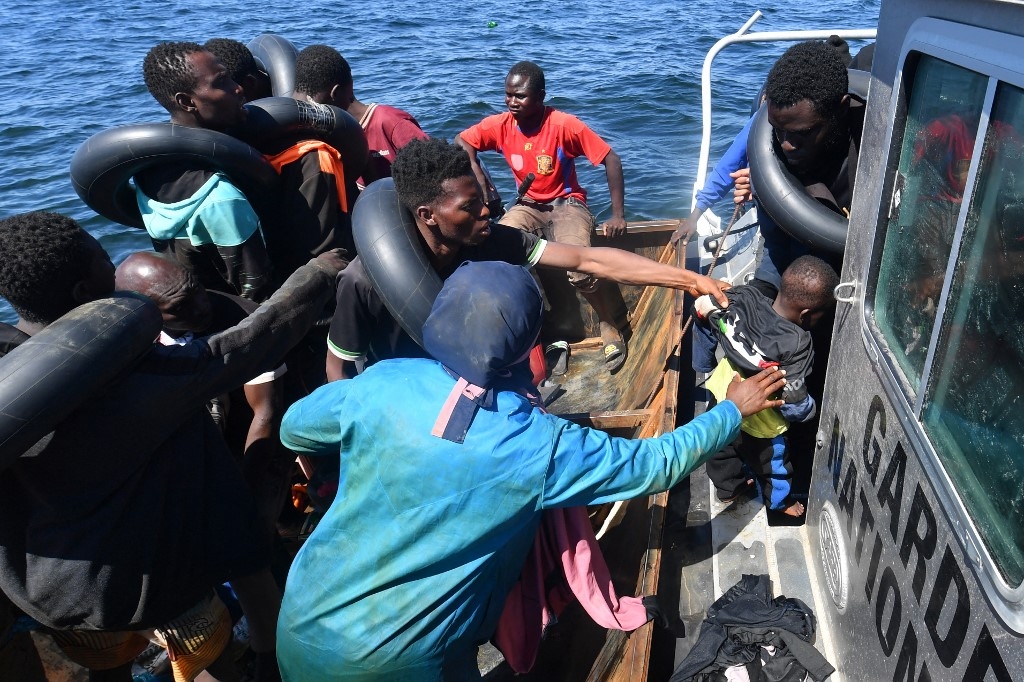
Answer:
(277, 57)
(274, 123)
(55, 372)
(389, 246)
(105, 163)
(782, 197)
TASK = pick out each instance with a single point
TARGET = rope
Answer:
(737, 212)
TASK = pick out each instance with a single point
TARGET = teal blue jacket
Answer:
(408, 571)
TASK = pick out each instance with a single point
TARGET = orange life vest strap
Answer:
(330, 162)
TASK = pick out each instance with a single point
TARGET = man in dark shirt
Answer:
(125, 518)
(435, 182)
(192, 212)
(817, 127)
(249, 416)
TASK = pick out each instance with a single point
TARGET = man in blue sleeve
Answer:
(440, 496)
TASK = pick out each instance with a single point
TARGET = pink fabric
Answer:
(565, 543)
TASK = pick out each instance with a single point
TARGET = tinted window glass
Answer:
(974, 405)
(943, 110)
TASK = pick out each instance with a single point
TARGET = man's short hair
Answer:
(421, 167)
(318, 68)
(810, 70)
(44, 256)
(533, 73)
(809, 283)
(168, 70)
(235, 57)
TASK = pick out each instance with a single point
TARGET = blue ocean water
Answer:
(631, 71)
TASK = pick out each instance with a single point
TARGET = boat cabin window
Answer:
(948, 289)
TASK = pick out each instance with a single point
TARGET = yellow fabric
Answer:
(764, 424)
(330, 162)
(196, 639)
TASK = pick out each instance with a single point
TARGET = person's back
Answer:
(442, 498)
(132, 509)
(189, 210)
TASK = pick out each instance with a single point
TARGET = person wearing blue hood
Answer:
(446, 468)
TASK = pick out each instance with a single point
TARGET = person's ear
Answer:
(341, 96)
(844, 103)
(804, 316)
(250, 83)
(184, 101)
(426, 214)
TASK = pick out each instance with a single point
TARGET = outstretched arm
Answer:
(616, 225)
(625, 267)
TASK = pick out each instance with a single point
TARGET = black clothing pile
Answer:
(770, 637)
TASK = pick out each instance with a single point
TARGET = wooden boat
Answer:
(639, 401)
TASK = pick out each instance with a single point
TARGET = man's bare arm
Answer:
(626, 267)
(616, 225)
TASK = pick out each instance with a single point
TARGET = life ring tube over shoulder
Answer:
(277, 57)
(273, 120)
(102, 167)
(58, 370)
(389, 246)
(782, 196)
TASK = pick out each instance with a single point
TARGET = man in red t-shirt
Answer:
(326, 77)
(538, 139)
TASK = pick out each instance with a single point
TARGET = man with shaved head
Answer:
(250, 424)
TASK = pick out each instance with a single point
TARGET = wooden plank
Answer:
(628, 419)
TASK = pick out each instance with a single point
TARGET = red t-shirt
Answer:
(387, 129)
(548, 152)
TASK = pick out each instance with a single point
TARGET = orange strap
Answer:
(330, 162)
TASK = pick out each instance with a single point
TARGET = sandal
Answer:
(557, 356)
(615, 355)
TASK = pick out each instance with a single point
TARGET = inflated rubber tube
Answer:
(277, 57)
(56, 371)
(782, 196)
(102, 167)
(392, 254)
(273, 119)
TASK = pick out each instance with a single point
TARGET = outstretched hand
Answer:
(755, 394)
(705, 285)
(685, 229)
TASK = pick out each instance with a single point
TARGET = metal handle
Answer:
(853, 291)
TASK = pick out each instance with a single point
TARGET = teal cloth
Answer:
(409, 569)
(218, 213)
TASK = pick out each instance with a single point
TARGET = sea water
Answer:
(629, 70)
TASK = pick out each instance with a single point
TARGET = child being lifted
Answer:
(757, 332)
